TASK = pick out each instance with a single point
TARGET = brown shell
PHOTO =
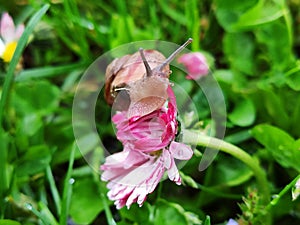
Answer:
(128, 69)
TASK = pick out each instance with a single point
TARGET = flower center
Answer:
(156, 153)
(9, 51)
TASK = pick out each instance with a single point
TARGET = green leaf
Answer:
(239, 50)
(260, 14)
(278, 51)
(231, 172)
(229, 11)
(40, 97)
(85, 192)
(293, 78)
(140, 215)
(243, 114)
(173, 214)
(273, 107)
(30, 124)
(9, 222)
(241, 15)
(35, 160)
(280, 145)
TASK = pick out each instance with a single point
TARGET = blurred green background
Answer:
(253, 49)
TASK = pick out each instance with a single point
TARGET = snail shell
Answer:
(138, 83)
(127, 69)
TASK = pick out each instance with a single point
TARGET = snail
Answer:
(138, 83)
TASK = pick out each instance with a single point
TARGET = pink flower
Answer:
(195, 64)
(9, 36)
(149, 151)
(150, 132)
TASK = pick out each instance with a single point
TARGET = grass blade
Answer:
(67, 192)
(49, 71)
(3, 171)
(53, 189)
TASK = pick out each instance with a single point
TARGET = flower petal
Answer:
(7, 28)
(19, 31)
(180, 151)
(173, 173)
(167, 159)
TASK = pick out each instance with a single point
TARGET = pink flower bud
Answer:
(195, 64)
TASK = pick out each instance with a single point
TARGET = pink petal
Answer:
(167, 159)
(7, 28)
(119, 117)
(19, 31)
(138, 195)
(134, 184)
(116, 159)
(155, 177)
(173, 173)
(180, 151)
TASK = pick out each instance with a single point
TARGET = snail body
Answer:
(138, 83)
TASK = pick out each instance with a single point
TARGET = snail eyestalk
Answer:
(172, 56)
(148, 69)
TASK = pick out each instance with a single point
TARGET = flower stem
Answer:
(195, 138)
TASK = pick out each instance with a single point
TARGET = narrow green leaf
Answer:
(53, 189)
(172, 13)
(293, 77)
(45, 211)
(3, 168)
(50, 71)
(67, 191)
(207, 220)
